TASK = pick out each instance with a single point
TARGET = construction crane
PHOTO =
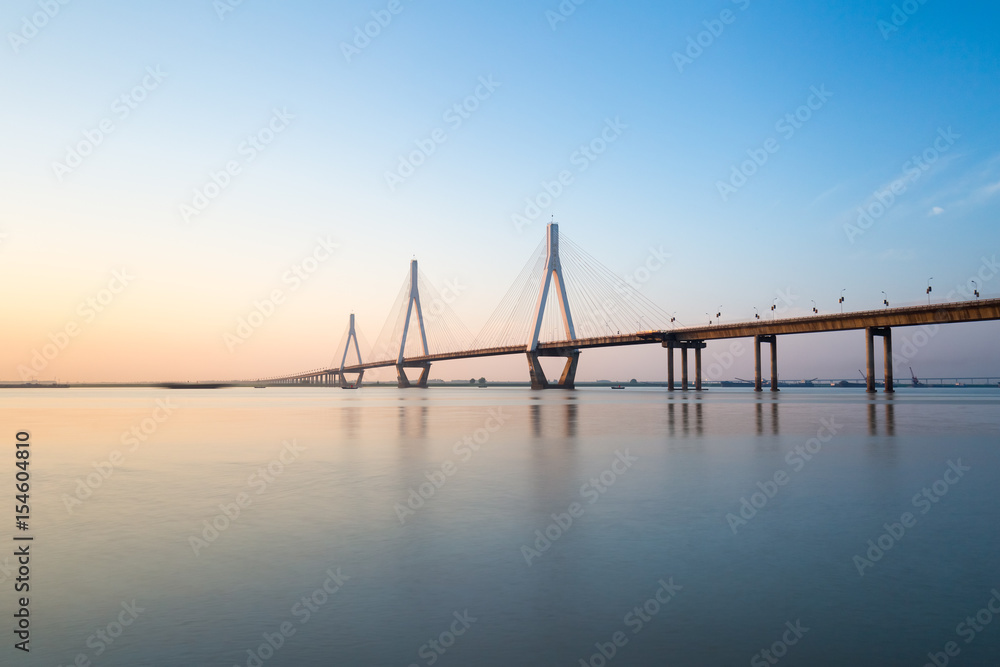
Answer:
(916, 382)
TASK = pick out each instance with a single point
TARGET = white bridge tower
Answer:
(553, 271)
(413, 302)
(351, 335)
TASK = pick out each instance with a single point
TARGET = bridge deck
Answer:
(964, 311)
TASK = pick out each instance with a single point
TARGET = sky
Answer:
(170, 168)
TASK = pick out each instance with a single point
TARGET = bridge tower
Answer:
(553, 271)
(351, 335)
(413, 301)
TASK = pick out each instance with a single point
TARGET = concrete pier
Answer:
(684, 369)
(404, 382)
(757, 380)
(670, 368)
(567, 380)
(684, 346)
(886, 334)
(697, 369)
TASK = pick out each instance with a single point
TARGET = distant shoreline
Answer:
(945, 383)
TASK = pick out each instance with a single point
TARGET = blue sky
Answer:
(891, 89)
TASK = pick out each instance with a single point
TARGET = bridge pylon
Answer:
(413, 302)
(553, 271)
(351, 335)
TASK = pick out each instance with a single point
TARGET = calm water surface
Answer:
(508, 527)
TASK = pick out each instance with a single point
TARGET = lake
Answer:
(501, 526)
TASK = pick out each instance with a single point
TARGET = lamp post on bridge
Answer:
(929, 290)
(841, 302)
(885, 299)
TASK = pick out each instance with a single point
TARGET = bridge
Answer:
(546, 297)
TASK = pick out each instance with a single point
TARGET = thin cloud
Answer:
(825, 195)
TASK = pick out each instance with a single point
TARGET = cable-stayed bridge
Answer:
(563, 302)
